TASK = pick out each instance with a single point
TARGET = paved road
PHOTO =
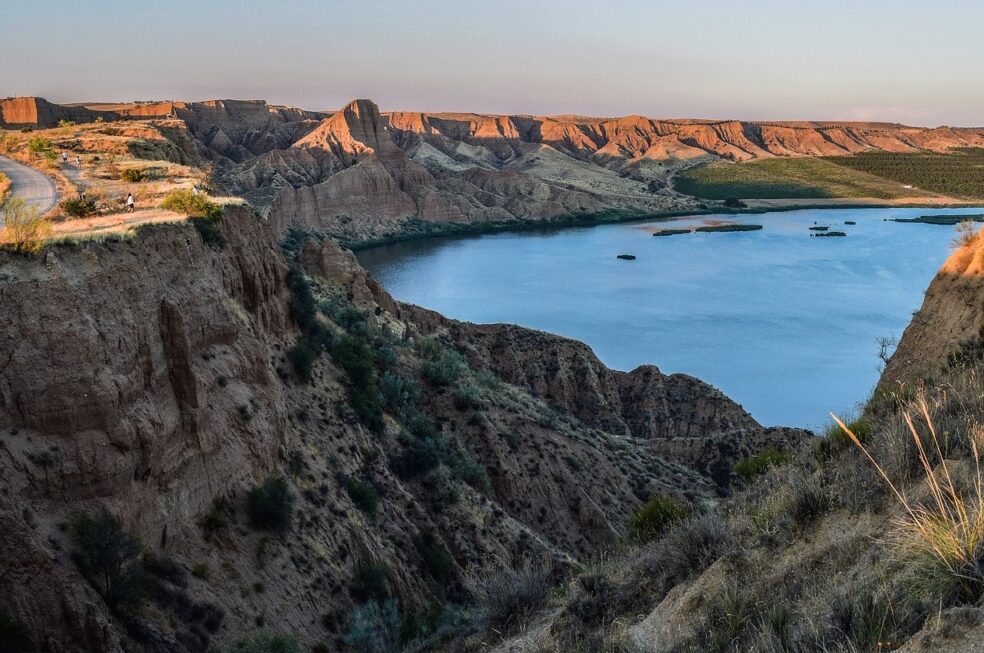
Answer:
(34, 187)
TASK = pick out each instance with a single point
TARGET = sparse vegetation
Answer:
(194, 206)
(355, 357)
(109, 558)
(136, 175)
(443, 368)
(364, 495)
(756, 465)
(375, 628)
(264, 642)
(652, 519)
(79, 208)
(25, 231)
(271, 505)
(507, 597)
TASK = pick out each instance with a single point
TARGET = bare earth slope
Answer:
(361, 175)
(150, 378)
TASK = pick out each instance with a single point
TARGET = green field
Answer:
(959, 173)
(879, 175)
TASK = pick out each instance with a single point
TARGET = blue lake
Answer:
(784, 323)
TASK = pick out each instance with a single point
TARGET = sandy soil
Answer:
(117, 223)
(833, 202)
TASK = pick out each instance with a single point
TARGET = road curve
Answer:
(32, 186)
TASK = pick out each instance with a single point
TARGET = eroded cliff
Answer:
(156, 378)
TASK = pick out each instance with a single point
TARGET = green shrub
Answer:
(444, 369)
(302, 357)
(488, 379)
(419, 457)
(263, 642)
(364, 495)
(66, 123)
(302, 307)
(835, 440)
(108, 557)
(217, 518)
(436, 558)
(756, 465)
(465, 467)
(398, 393)
(209, 230)
(375, 628)
(355, 357)
(370, 581)
(652, 519)
(271, 505)
(134, 175)
(422, 454)
(969, 352)
(467, 396)
(14, 636)
(79, 208)
(194, 206)
(39, 145)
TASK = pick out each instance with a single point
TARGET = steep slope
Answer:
(952, 313)
(152, 378)
(817, 551)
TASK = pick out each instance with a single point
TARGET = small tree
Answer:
(195, 206)
(25, 230)
(271, 505)
(108, 557)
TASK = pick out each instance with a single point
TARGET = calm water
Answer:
(785, 324)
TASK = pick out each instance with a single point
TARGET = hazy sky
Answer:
(910, 61)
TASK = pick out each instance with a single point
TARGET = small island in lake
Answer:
(819, 228)
(826, 234)
(626, 257)
(671, 232)
(849, 222)
(946, 220)
(728, 227)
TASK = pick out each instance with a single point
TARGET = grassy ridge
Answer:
(4, 187)
(786, 178)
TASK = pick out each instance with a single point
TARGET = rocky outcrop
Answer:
(952, 313)
(38, 112)
(149, 377)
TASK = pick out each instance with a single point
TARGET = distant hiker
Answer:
(194, 190)
(65, 158)
(78, 162)
(81, 194)
(129, 202)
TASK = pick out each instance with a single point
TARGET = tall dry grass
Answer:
(942, 525)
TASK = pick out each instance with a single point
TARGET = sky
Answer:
(907, 61)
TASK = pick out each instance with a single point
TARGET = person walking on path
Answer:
(129, 202)
(65, 158)
(78, 163)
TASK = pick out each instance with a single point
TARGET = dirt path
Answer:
(33, 186)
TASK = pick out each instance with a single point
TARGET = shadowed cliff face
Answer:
(150, 377)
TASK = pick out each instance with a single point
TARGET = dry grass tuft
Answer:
(946, 530)
(25, 230)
